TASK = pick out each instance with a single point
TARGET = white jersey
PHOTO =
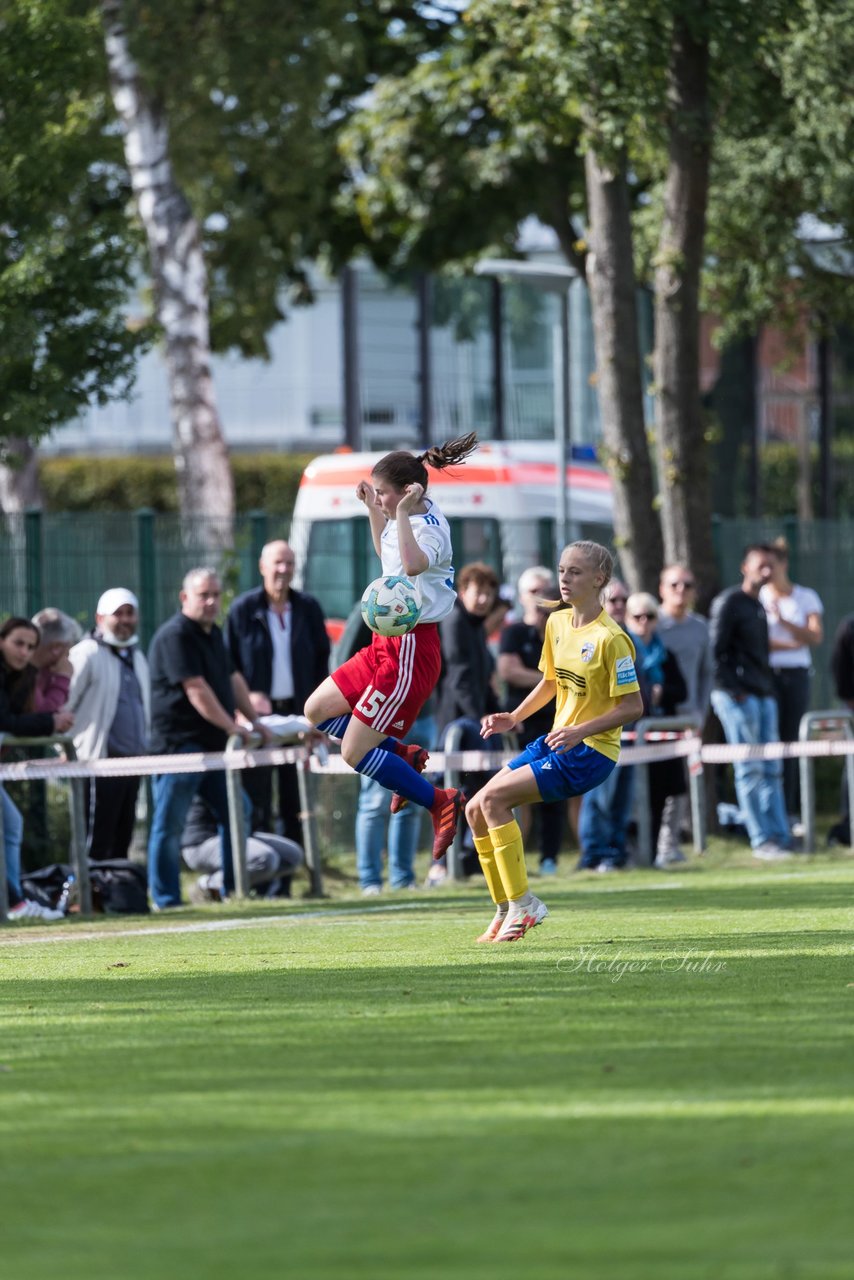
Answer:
(436, 584)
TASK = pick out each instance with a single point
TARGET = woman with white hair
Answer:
(58, 633)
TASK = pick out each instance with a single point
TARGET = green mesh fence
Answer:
(67, 560)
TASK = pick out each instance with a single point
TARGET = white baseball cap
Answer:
(114, 599)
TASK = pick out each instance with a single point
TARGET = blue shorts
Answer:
(560, 774)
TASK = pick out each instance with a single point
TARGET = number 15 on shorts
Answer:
(370, 702)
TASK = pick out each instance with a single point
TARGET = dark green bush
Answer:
(780, 478)
(268, 481)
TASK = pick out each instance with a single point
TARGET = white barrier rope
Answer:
(465, 761)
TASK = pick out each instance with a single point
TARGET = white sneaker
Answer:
(521, 919)
(371, 891)
(771, 852)
(436, 876)
(669, 859)
(29, 910)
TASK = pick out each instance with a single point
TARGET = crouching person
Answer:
(271, 860)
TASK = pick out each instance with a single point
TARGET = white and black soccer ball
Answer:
(391, 606)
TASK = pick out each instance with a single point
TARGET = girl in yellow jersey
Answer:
(588, 665)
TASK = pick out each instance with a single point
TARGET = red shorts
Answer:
(388, 683)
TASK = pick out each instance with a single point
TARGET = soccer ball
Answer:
(390, 606)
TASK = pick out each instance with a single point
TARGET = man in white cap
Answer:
(110, 697)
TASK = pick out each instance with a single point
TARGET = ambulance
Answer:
(501, 506)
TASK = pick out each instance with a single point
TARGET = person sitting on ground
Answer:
(271, 860)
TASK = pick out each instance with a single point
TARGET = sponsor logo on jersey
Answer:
(625, 671)
(571, 680)
(398, 724)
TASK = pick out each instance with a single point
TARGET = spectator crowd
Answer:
(745, 672)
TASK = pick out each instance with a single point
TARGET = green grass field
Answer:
(659, 1082)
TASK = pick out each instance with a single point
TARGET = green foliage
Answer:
(264, 481)
(66, 248)
(444, 166)
(253, 133)
(780, 478)
(783, 179)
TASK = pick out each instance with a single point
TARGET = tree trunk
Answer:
(20, 488)
(205, 482)
(613, 297)
(682, 448)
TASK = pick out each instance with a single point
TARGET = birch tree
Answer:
(179, 276)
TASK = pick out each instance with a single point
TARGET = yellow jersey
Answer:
(592, 667)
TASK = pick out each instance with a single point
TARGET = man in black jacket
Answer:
(744, 702)
(277, 640)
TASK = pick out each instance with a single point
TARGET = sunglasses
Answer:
(644, 617)
(689, 586)
(618, 599)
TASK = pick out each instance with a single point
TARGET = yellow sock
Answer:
(509, 855)
(486, 856)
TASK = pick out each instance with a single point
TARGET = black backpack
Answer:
(119, 887)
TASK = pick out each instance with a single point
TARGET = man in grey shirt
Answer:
(686, 635)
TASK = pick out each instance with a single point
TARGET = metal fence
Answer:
(67, 560)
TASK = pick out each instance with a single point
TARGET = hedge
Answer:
(269, 481)
(265, 481)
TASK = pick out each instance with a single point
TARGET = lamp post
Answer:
(553, 278)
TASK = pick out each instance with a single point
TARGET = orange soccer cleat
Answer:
(417, 757)
(446, 810)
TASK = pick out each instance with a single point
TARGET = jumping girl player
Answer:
(588, 664)
(374, 698)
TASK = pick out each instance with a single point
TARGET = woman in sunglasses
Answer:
(663, 688)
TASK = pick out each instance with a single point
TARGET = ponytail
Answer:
(451, 452)
(401, 468)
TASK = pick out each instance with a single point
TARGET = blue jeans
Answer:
(13, 834)
(758, 783)
(173, 795)
(398, 833)
(604, 819)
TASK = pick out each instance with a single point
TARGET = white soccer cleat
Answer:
(491, 932)
(520, 919)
